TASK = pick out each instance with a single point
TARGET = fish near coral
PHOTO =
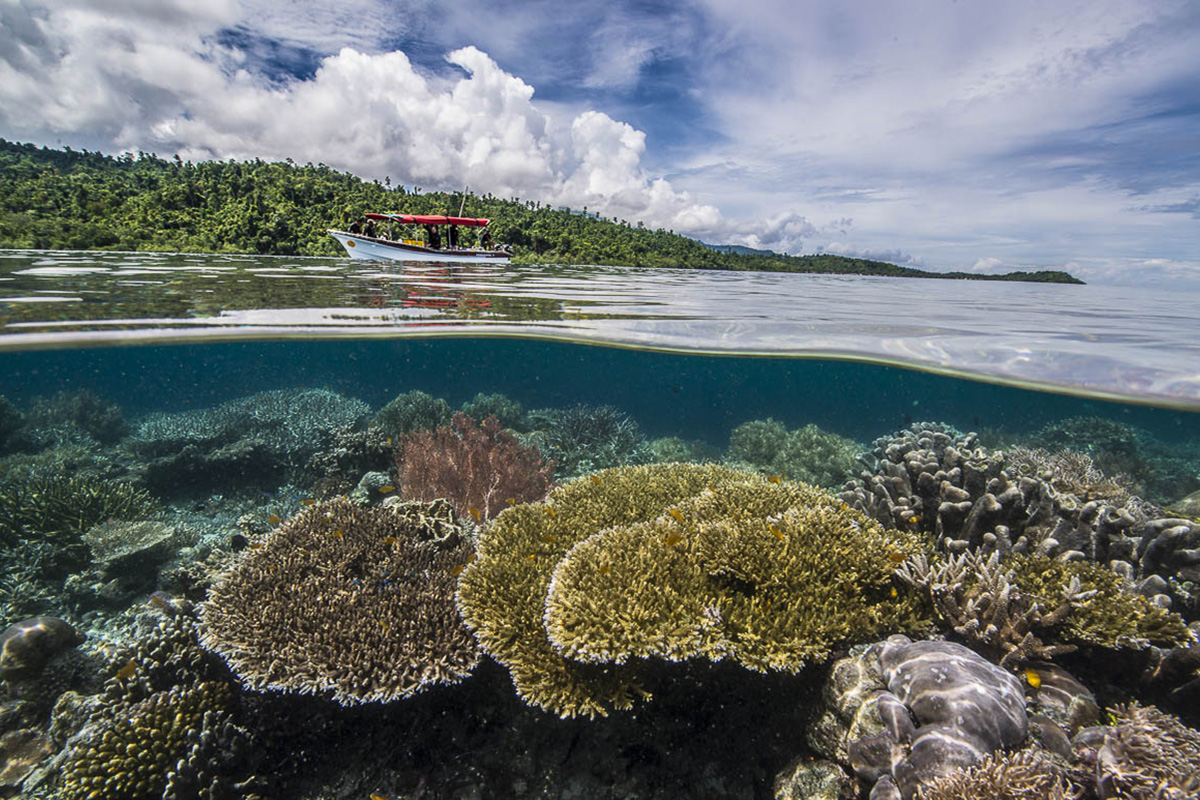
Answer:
(26, 646)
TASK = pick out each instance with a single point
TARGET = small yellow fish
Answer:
(773, 478)
(475, 513)
(550, 511)
(274, 520)
(775, 531)
(595, 480)
(458, 570)
(389, 540)
(128, 671)
(1032, 678)
(549, 538)
(471, 558)
(673, 539)
(512, 501)
(338, 534)
(373, 795)
(384, 625)
(895, 594)
(677, 514)
(895, 556)
(308, 501)
(531, 556)
(387, 489)
(389, 441)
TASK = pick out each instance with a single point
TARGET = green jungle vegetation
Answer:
(67, 199)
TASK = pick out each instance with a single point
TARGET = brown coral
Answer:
(349, 603)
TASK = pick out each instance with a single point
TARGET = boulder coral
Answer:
(348, 603)
(673, 561)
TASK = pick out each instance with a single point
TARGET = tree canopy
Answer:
(80, 200)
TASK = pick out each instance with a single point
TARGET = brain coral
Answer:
(673, 561)
(351, 603)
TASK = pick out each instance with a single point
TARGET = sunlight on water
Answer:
(1141, 345)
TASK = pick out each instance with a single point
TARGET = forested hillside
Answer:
(67, 199)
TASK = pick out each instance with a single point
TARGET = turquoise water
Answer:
(96, 350)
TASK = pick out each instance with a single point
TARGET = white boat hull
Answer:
(371, 249)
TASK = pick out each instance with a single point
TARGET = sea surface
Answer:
(100, 352)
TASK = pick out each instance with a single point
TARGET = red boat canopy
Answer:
(431, 219)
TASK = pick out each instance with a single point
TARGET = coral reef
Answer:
(1006, 610)
(411, 412)
(348, 603)
(20, 753)
(79, 410)
(349, 454)
(147, 750)
(11, 421)
(675, 562)
(807, 454)
(502, 593)
(126, 548)
(58, 509)
(25, 646)
(255, 441)
(480, 469)
(933, 479)
(1144, 754)
(1025, 775)
(583, 439)
(768, 575)
(509, 412)
(670, 449)
(903, 713)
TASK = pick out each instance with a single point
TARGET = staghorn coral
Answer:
(807, 454)
(260, 440)
(502, 593)
(584, 438)
(58, 509)
(1034, 607)
(348, 603)
(510, 413)
(79, 410)
(770, 575)
(411, 412)
(481, 467)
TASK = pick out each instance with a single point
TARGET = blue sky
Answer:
(947, 135)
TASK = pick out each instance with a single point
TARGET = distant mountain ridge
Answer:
(78, 200)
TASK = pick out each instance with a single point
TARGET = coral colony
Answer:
(200, 603)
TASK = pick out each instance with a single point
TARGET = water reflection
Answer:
(1132, 344)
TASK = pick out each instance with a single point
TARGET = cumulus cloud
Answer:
(168, 81)
(892, 256)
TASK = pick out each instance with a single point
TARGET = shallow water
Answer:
(95, 348)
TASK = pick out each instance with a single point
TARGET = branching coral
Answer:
(585, 438)
(481, 467)
(807, 454)
(58, 509)
(1024, 775)
(1034, 607)
(412, 411)
(349, 603)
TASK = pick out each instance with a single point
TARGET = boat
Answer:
(405, 244)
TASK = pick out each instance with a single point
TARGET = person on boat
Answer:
(355, 226)
(452, 237)
(369, 228)
(432, 237)
(485, 239)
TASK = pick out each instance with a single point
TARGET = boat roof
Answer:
(430, 219)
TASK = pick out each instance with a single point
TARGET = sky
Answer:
(941, 134)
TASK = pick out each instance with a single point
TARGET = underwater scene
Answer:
(306, 528)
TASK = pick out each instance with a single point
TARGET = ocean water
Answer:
(237, 393)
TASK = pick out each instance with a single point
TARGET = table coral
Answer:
(344, 602)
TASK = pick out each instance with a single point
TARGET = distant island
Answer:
(66, 199)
